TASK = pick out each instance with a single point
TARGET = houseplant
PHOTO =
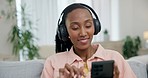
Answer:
(131, 46)
(106, 35)
(22, 37)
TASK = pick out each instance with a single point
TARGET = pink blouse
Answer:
(54, 62)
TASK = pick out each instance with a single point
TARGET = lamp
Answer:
(145, 35)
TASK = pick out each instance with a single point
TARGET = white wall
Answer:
(5, 26)
(133, 18)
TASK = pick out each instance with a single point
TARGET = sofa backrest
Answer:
(113, 45)
(26, 69)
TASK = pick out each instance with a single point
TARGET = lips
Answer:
(83, 41)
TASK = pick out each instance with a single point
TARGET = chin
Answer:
(83, 45)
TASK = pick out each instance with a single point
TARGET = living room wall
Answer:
(5, 27)
(132, 20)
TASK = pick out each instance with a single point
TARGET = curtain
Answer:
(44, 14)
(103, 10)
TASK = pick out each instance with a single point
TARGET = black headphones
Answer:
(62, 30)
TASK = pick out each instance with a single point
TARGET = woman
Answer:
(75, 62)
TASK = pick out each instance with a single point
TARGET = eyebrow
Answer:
(74, 23)
(78, 22)
(88, 20)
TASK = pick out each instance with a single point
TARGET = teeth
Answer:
(83, 40)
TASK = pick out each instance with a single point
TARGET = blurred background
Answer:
(119, 19)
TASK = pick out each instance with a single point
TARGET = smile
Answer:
(83, 40)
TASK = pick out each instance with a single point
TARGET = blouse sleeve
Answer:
(47, 70)
(124, 68)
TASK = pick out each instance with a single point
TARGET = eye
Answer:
(88, 25)
(74, 27)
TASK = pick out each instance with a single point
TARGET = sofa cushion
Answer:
(26, 69)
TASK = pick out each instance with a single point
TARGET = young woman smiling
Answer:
(78, 28)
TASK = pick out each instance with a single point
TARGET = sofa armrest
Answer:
(138, 68)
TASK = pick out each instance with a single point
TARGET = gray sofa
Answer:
(143, 59)
(26, 69)
(33, 69)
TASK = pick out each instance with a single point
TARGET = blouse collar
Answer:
(100, 53)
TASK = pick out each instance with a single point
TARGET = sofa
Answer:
(143, 59)
(24, 69)
(33, 69)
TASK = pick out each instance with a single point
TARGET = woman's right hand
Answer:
(71, 72)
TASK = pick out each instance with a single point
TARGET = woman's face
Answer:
(80, 27)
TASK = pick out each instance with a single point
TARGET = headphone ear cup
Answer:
(97, 26)
(62, 32)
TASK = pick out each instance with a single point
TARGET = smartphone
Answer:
(102, 69)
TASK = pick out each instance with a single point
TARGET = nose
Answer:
(83, 32)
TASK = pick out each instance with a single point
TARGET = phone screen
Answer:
(102, 69)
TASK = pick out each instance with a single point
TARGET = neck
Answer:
(86, 53)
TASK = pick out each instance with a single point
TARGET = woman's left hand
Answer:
(116, 72)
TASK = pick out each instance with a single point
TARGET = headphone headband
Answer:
(76, 4)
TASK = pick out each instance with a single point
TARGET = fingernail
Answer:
(73, 74)
(84, 75)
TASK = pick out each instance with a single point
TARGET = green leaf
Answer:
(22, 38)
(131, 46)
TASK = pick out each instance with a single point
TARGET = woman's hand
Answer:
(71, 72)
(116, 72)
